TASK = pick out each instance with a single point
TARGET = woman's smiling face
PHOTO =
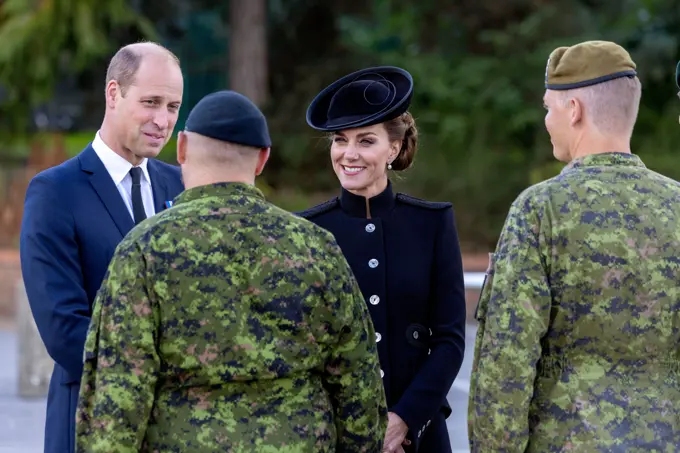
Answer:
(360, 157)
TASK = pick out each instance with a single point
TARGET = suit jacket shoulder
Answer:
(60, 173)
(168, 170)
(164, 166)
(319, 209)
(432, 205)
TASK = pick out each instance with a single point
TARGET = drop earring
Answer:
(389, 166)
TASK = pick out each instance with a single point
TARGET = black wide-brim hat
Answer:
(363, 98)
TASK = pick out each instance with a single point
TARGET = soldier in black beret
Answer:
(403, 250)
(226, 323)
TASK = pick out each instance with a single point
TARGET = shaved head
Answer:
(612, 107)
(126, 62)
(204, 160)
(209, 152)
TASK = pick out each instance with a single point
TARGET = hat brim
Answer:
(317, 112)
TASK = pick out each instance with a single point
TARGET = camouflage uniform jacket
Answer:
(578, 344)
(226, 324)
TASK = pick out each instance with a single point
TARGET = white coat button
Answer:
(382, 373)
(370, 228)
(374, 300)
(378, 337)
(373, 263)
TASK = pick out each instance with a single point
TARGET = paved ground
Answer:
(22, 421)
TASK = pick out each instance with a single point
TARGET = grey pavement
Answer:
(22, 421)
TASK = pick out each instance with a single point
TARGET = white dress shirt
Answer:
(119, 169)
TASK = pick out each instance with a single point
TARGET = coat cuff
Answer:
(416, 424)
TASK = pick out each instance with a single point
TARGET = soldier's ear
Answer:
(181, 148)
(263, 156)
(576, 108)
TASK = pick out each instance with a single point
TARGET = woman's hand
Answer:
(395, 435)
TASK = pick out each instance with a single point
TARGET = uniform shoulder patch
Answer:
(319, 209)
(413, 201)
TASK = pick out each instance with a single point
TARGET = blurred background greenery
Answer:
(478, 67)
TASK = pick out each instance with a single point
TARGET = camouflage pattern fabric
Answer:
(225, 324)
(578, 347)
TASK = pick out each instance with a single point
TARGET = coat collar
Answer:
(606, 160)
(116, 165)
(221, 191)
(377, 206)
(103, 184)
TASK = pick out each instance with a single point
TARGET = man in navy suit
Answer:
(76, 213)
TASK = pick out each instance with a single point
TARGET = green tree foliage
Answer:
(478, 66)
(45, 39)
(479, 71)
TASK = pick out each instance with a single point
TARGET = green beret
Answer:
(587, 63)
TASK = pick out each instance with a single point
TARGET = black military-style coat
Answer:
(405, 255)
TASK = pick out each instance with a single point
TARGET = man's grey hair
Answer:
(611, 106)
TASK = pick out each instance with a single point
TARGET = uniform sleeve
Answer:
(50, 265)
(513, 315)
(121, 362)
(352, 372)
(427, 393)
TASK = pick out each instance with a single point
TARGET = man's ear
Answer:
(181, 147)
(576, 108)
(263, 156)
(111, 93)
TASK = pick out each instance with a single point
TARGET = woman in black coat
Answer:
(404, 251)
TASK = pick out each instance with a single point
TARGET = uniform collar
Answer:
(221, 190)
(377, 206)
(117, 166)
(606, 160)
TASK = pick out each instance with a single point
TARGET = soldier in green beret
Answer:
(226, 324)
(579, 317)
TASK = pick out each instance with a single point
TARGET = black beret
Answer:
(229, 116)
(362, 98)
(587, 63)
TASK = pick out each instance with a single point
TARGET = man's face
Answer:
(146, 116)
(557, 124)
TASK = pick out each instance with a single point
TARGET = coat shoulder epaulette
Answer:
(413, 201)
(319, 209)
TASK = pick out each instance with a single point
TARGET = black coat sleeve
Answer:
(427, 392)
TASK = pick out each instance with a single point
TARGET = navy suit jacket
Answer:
(405, 255)
(74, 217)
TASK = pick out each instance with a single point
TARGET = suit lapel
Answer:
(158, 186)
(108, 193)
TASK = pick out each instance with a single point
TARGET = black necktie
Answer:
(137, 204)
